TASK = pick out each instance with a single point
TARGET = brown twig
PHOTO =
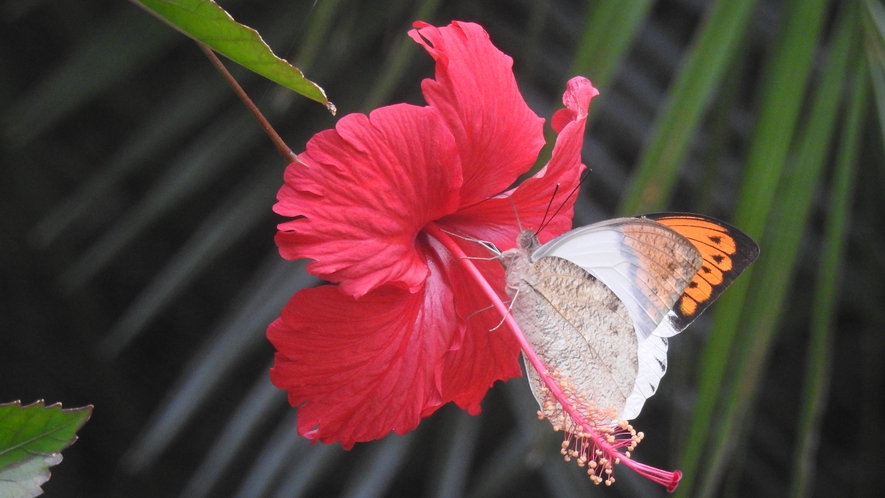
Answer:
(284, 149)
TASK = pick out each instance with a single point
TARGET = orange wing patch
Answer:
(726, 252)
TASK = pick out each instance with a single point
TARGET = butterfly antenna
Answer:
(549, 205)
(544, 223)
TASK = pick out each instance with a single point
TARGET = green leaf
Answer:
(31, 440)
(788, 72)
(23, 479)
(611, 27)
(699, 77)
(209, 24)
(609, 30)
(819, 357)
(776, 267)
(873, 21)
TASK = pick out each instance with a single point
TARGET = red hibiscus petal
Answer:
(486, 352)
(562, 174)
(498, 136)
(494, 221)
(363, 191)
(358, 369)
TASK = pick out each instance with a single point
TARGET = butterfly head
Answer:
(527, 240)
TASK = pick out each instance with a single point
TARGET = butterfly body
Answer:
(599, 302)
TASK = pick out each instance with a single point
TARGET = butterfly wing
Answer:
(666, 268)
(580, 328)
(726, 252)
(647, 264)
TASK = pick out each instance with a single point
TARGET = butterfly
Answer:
(600, 302)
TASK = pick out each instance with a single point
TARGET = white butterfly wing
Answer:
(648, 266)
(652, 367)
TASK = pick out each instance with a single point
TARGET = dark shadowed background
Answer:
(138, 271)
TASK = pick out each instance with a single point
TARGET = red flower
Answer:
(404, 331)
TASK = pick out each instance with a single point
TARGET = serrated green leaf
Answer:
(31, 440)
(23, 479)
(209, 24)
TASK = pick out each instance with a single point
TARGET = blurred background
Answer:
(139, 271)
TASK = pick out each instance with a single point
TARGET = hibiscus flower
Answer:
(388, 206)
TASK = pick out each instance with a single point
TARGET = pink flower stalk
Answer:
(373, 202)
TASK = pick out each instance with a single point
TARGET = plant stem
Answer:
(284, 149)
